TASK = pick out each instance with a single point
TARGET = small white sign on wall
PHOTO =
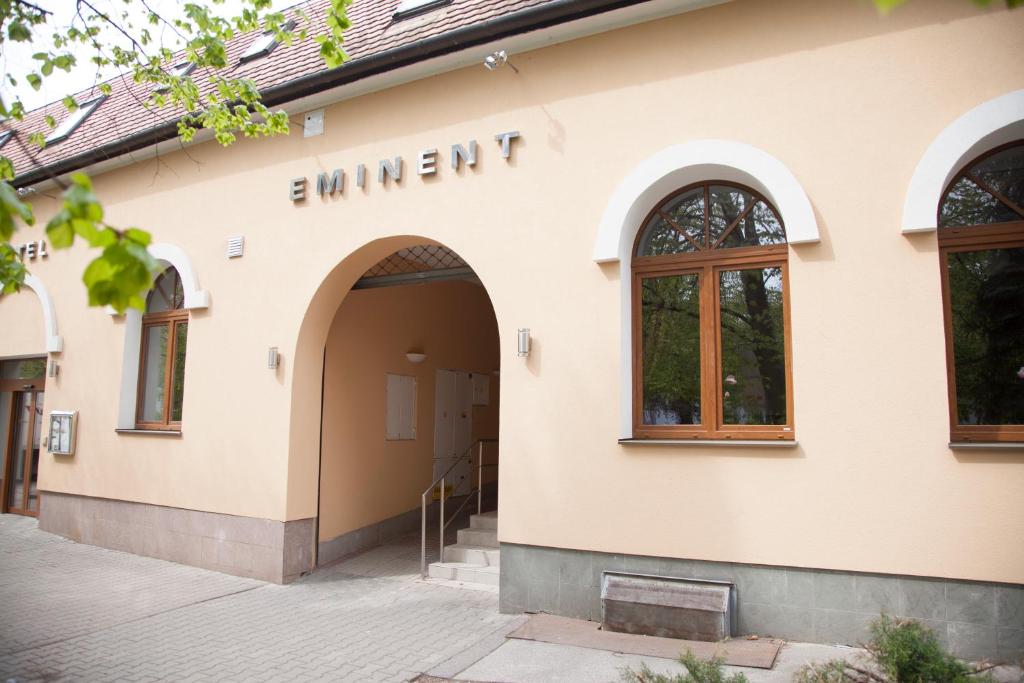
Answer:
(401, 408)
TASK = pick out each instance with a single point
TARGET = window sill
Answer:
(986, 445)
(150, 432)
(746, 443)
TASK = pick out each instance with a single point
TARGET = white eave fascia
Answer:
(517, 44)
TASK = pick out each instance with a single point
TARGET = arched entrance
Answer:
(406, 382)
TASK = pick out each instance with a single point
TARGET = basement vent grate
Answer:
(236, 246)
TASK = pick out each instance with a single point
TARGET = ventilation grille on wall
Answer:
(236, 246)
(415, 264)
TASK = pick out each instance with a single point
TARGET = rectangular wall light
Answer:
(523, 345)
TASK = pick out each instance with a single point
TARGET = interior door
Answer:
(453, 426)
(22, 495)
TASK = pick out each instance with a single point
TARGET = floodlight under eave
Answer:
(496, 59)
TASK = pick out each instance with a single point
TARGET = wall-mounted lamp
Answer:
(496, 59)
(523, 339)
(53, 369)
(273, 358)
(416, 357)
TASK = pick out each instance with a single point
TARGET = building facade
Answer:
(751, 244)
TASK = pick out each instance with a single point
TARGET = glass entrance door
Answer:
(21, 421)
(22, 493)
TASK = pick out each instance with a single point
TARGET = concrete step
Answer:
(472, 554)
(482, 537)
(465, 572)
(487, 520)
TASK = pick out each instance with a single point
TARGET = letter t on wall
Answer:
(506, 142)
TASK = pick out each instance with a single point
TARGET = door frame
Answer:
(37, 388)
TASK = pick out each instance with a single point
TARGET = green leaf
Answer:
(120, 276)
(12, 270)
(140, 237)
(34, 80)
(6, 169)
(12, 209)
(59, 230)
(17, 31)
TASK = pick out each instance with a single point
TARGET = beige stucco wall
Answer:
(846, 99)
(21, 325)
(364, 478)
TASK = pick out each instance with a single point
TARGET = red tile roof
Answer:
(373, 32)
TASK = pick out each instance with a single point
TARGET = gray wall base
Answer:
(974, 620)
(244, 546)
(373, 535)
(369, 536)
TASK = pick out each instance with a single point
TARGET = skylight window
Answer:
(178, 71)
(412, 8)
(74, 120)
(5, 136)
(265, 44)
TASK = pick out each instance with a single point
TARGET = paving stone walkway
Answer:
(71, 612)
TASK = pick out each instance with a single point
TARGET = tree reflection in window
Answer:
(162, 369)
(981, 240)
(711, 343)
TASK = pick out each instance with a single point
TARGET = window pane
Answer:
(987, 300)
(671, 350)
(33, 481)
(727, 203)
(20, 452)
(5, 423)
(968, 204)
(753, 347)
(1004, 173)
(168, 293)
(687, 212)
(759, 228)
(178, 375)
(153, 365)
(31, 368)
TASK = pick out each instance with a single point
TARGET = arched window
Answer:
(162, 372)
(711, 318)
(981, 245)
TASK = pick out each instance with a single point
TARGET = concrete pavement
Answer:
(71, 612)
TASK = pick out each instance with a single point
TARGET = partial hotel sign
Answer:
(426, 164)
(31, 250)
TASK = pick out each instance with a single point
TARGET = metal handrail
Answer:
(468, 453)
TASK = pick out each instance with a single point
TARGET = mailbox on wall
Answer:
(63, 430)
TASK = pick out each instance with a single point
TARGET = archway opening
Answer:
(409, 394)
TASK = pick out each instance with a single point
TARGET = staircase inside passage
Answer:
(474, 558)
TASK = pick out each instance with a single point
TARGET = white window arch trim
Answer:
(668, 170)
(195, 299)
(985, 127)
(54, 342)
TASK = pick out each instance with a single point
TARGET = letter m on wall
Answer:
(335, 183)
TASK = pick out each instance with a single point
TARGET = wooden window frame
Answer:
(708, 264)
(973, 238)
(988, 236)
(169, 319)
